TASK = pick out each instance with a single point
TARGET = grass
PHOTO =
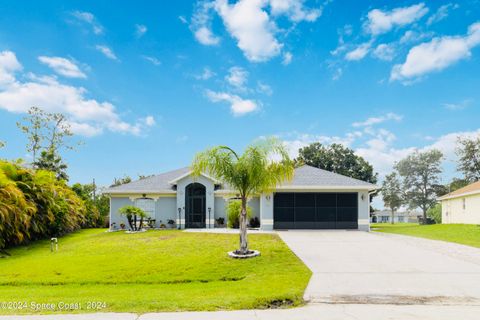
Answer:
(151, 272)
(467, 234)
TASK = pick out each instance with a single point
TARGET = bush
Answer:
(254, 222)
(435, 213)
(234, 209)
(35, 205)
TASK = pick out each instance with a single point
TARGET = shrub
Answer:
(435, 213)
(234, 209)
(35, 205)
(254, 222)
(132, 213)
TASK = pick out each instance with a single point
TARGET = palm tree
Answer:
(132, 213)
(262, 166)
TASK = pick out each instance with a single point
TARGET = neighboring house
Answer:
(462, 205)
(314, 199)
(385, 216)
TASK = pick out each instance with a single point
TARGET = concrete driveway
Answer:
(375, 268)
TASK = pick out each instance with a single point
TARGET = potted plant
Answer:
(254, 223)
(171, 223)
(113, 226)
(122, 226)
(220, 222)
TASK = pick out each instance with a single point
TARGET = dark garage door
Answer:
(315, 211)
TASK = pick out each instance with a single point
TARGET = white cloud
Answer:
(413, 36)
(250, 25)
(264, 88)
(337, 74)
(87, 116)
(63, 66)
(359, 52)
(237, 77)
(457, 106)
(205, 36)
(376, 120)
(8, 66)
(107, 52)
(294, 10)
(287, 58)
(152, 60)
(379, 21)
(182, 19)
(384, 52)
(437, 54)
(140, 30)
(89, 18)
(206, 74)
(150, 121)
(441, 13)
(238, 105)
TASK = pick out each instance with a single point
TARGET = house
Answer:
(385, 216)
(462, 205)
(314, 199)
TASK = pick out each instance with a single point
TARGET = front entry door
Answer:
(195, 205)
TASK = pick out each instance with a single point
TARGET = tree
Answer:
(392, 193)
(234, 210)
(2, 144)
(435, 213)
(468, 152)
(36, 122)
(51, 161)
(337, 158)
(456, 184)
(132, 213)
(118, 182)
(420, 172)
(251, 173)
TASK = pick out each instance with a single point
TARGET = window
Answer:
(384, 218)
(147, 205)
(401, 219)
(464, 203)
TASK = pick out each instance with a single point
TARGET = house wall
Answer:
(165, 209)
(115, 205)
(454, 212)
(210, 199)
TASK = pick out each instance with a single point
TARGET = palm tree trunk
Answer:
(243, 227)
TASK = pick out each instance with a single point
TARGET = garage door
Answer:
(315, 211)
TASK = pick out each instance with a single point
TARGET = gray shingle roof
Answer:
(305, 176)
(311, 176)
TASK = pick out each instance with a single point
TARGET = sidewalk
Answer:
(311, 311)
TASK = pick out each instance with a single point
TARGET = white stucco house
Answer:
(462, 205)
(385, 216)
(314, 199)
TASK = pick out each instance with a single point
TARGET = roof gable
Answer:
(472, 188)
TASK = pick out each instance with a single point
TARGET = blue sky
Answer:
(146, 85)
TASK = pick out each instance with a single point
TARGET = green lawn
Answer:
(153, 271)
(467, 234)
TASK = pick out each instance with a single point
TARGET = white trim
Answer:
(135, 192)
(266, 221)
(332, 188)
(363, 221)
(174, 181)
(460, 195)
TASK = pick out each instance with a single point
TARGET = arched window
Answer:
(147, 205)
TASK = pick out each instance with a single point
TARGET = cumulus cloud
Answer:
(140, 30)
(287, 58)
(63, 66)
(205, 36)
(458, 105)
(377, 120)
(359, 52)
(437, 54)
(251, 23)
(87, 116)
(264, 88)
(206, 74)
(380, 21)
(238, 105)
(89, 19)
(107, 52)
(237, 77)
(384, 52)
